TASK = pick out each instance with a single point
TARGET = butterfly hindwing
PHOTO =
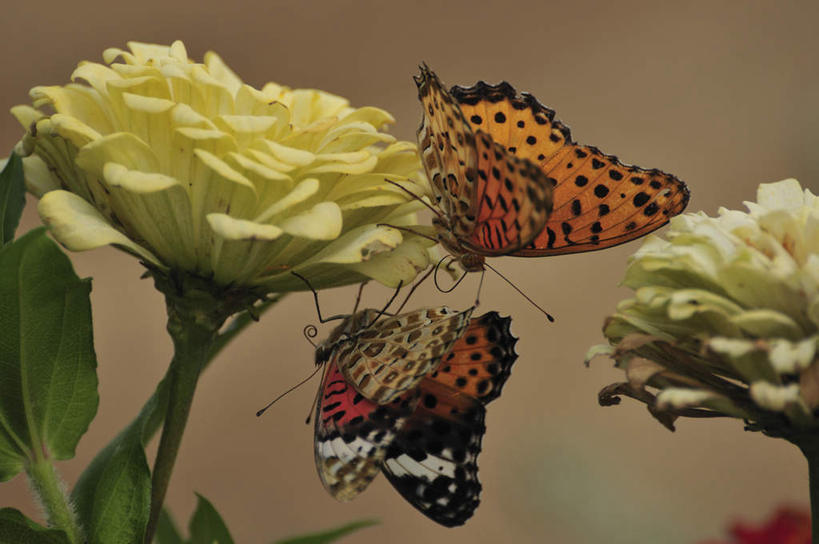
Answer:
(352, 433)
(514, 200)
(394, 354)
(598, 202)
(432, 461)
(481, 361)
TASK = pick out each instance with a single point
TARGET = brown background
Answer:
(722, 94)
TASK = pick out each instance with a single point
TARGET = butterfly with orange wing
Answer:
(507, 179)
(406, 396)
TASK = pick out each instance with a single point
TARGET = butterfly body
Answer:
(425, 439)
(507, 178)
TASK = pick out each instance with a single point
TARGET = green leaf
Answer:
(166, 531)
(113, 494)
(12, 197)
(15, 527)
(48, 381)
(95, 494)
(331, 535)
(207, 526)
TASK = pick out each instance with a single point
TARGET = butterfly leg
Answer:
(358, 296)
(416, 197)
(315, 298)
(387, 305)
(405, 229)
(413, 288)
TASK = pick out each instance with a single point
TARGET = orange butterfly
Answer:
(507, 179)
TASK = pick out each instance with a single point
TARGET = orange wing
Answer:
(494, 202)
(598, 201)
(481, 360)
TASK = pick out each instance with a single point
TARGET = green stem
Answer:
(808, 442)
(237, 325)
(46, 484)
(192, 339)
(810, 448)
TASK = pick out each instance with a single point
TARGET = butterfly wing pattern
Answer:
(384, 361)
(433, 460)
(352, 433)
(492, 202)
(592, 200)
(599, 202)
(426, 440)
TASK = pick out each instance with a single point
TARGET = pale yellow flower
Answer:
(725, 315)
(190, 169)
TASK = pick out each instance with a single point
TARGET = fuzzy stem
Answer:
(192, 340)
(48, 488)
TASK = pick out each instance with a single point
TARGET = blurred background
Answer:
(722, 94)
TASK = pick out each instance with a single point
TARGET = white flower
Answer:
(190, 169)
(725, 315)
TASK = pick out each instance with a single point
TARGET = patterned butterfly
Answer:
(406, 396)
(507, 179)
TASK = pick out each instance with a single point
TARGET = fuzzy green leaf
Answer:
(113, 494)
(12, 197)
(48, 381)
(15, 527)
(207, 526)
(325, 537)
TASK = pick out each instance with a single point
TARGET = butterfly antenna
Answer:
(435, 277)
(515, 287)
(314, 407)
(304, 381)
(413, 288)
(384, 309)
(416, 197)
(480, 285)
(310, 332)
(315, 298)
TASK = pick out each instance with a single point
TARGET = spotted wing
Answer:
(494, 202)
(598, 201)
(392, 356)
(433, 459)
(352, 433)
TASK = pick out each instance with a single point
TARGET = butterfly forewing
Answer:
(351, 434)
(432, 461)
(448, 153)
(494, 202)
(518, 122)
(598, 201)
(394, 354)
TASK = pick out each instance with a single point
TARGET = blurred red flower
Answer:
(787, 526)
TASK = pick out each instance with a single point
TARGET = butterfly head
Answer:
(469, 261)
(347, 329)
